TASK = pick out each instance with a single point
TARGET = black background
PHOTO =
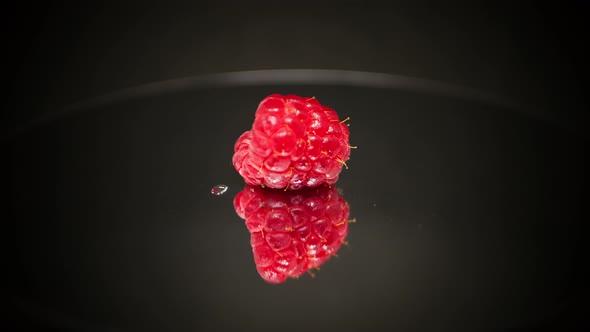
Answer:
(490, 241)
(62, 52)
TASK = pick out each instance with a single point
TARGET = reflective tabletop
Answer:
(468, 212)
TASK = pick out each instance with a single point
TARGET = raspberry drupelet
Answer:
(295, 142)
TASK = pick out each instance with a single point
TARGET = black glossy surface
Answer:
(468, 218)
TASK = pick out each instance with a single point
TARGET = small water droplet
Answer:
(219, 189)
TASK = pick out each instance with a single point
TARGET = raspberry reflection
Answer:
(292, 231)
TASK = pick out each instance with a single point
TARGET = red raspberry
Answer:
(294, 142)
(292, 231)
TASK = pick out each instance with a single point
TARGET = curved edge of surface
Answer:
(283, 77)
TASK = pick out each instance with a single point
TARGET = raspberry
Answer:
(295, 142)
(292, 231)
